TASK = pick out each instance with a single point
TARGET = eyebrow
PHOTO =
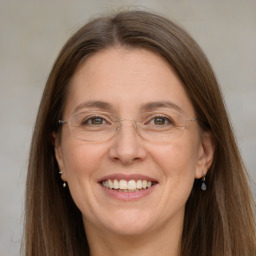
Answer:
(160, 104)
(147, 107)
(94, 104)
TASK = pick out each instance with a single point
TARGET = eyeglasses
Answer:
(94, 126)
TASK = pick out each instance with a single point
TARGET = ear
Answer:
(205, 154)
(59, 155)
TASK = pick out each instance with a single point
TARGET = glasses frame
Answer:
(117, 127)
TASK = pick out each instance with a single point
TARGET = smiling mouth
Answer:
(127, 185)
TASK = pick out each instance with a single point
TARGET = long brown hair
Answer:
(219, 221)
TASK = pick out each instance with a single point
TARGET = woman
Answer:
(132, 152)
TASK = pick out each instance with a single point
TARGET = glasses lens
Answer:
(92, 126)
(161, 135)
(100, 127)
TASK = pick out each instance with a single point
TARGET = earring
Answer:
(203, 185)
(64, 183)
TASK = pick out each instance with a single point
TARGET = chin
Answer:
(122, 222)
(129, 228)
(129, 222)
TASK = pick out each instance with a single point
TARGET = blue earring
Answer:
(203, 185)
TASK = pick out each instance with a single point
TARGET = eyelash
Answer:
(89, 119)
(165, 118)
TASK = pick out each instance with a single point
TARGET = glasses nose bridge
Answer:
(133, 122)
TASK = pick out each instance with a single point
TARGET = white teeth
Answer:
(144, 184)
(139, 184)
(116, 184)
(123, 184)
(127, 186)
(110, 184)
(132, 185)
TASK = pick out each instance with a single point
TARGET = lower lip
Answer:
(128, 196)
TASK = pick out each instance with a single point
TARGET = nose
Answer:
(127, 147)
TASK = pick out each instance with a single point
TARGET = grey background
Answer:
(31, 35)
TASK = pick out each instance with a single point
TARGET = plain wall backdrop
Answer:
(31, 35)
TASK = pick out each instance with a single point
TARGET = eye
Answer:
(160, 120)
(154, 120)
(94, 120)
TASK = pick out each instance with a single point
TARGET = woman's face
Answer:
(128, 83)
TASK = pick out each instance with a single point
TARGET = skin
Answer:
(152, 225)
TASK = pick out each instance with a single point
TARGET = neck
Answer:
(164, 242)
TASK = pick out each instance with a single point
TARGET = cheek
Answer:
(81, 160)
(177, 162)
(81, 164)
(176, 158)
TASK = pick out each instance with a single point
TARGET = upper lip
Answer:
(127, 177)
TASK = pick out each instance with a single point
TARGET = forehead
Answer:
(126, 79)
